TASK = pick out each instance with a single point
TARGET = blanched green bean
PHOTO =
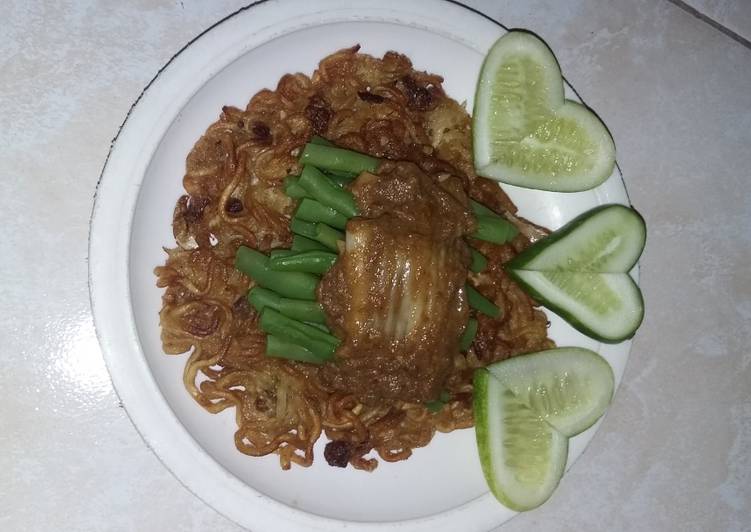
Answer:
(468, 336)
(481, 210)
(338, 159)
(277, 347)
(479, 262)
(326, 235)
(303, 243)
(307, 261)
(297, 309)
(280, 253)
(321, 188)
(341, 179)
(311, 210)
(296, 285)
(494, 229)
(301, 227)
(329, 236)
(293, 189)
(311, 338)
(480, 303)
(491, 226)
(320, 141)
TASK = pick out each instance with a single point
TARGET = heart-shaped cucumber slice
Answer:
(605, 306)
(525, 132)
(606, 239)
(570, 387)
(580, 272)
(522, 456)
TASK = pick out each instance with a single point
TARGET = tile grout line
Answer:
(712, 22)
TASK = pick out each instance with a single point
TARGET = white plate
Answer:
(441, 486)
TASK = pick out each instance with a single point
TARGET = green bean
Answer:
(261, 298)
(478, 302)
(438, 404)
(334, 174)
(341, 179)
(325, 191)
(314, 332)
(320, 326)
(293, 189)
(338, 159)
(279, 348)
(307, 261)
(301, 227)
(303, 243)
(481, 210)
(339, 176)
(320, 141)
(468, 336)
(435, 406)
(311, 210)
(280, 253)
(494, 229)
(329, 236)
(491, 226)
(311, 338)
(296, 309)
(296, 285)
(319, 232)
(479, 262)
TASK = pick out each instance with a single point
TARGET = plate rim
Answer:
(291, 516)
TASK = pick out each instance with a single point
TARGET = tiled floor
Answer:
(730, 15)
(674, 452)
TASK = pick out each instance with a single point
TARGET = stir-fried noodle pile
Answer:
(234, 196)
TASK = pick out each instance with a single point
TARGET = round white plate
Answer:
(441, 486)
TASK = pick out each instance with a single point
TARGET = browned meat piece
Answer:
(396, 294)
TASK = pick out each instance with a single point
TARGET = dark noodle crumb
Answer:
(202, 320)
(261, 404)
(370, 97)
(318, 113)
(418, 98)
(233, 206)
(337, 453)
(262, 133)
(194, 207)
(241, 308)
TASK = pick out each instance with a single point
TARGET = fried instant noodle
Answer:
(235, 196)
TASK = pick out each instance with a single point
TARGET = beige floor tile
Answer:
(673, 452)
(733, 14)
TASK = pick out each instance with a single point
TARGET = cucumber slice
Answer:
(604, 306)
(522, 456)
(525, 132)
(570, 387)
(606, 239)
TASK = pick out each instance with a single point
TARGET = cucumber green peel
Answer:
(525, 132)
(522, 456)
(606, 239)
(526, 408)
(580, 272)
(605, 306)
